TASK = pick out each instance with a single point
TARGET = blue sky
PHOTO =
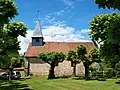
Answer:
(61, 20)
(75, 13)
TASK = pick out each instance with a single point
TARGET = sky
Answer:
(60, 20)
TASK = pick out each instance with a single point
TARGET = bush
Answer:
(96, 74)
(92, 69)
(110, 72)
(100, 74)
(117, 66)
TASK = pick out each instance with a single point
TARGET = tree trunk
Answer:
(1, 26)
(51, 72)
(95, 43)
(10, 74)
(74, 69)
(87, 72)
(28, 68)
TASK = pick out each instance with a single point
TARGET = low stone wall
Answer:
(80, 70)
(38, 69)
(63, 69)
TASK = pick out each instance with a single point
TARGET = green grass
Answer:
(41, 83)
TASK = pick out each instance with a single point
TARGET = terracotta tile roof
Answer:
(64, 47)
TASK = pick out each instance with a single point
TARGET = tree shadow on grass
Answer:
(23, 79)
(13, 85)
(117, 82)
(78, 78)
(58, 77)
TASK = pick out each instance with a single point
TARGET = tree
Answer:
(7, 11)
(9, 32)
(81, 51)
(87, 59)
(10, 43)
(108, 4)
(52, 58)
(11, 61)
(72, 56)
(105, 31)
(14, 61)
(10, 46)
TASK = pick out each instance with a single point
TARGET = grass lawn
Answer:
(41, 83)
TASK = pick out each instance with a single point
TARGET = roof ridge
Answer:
(67, 42)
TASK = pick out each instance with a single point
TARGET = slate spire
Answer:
(37, 31)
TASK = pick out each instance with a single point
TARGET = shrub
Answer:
(100, 74)
(96, 74)
(110, 72)
(92, 69)
(93, 75)
(117, 66)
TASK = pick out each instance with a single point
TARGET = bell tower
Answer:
(37, 38)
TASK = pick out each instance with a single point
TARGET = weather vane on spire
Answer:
(38, 14)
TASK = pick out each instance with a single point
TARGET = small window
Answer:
(37, 39)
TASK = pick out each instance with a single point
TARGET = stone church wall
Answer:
(40, 68)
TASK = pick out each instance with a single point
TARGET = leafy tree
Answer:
(108, 4)
(9, 32)
(105, 32)
(87, 59)
(11, 61)
(72, 56)
(52, 58)
(14, 61)
(8, 11)
(10, 43)
(81, 51)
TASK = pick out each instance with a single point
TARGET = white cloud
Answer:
(24, 41)
(53, 16)
(57, 33)
(84, 31)
(52, 20)
(54, 33)
(68, 2)
(60, 12)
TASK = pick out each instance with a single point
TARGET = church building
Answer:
(40, 68)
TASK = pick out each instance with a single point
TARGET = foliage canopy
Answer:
(108, 4)
(9, 32)
(73, 57)
(8, 11)
(105, 31)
